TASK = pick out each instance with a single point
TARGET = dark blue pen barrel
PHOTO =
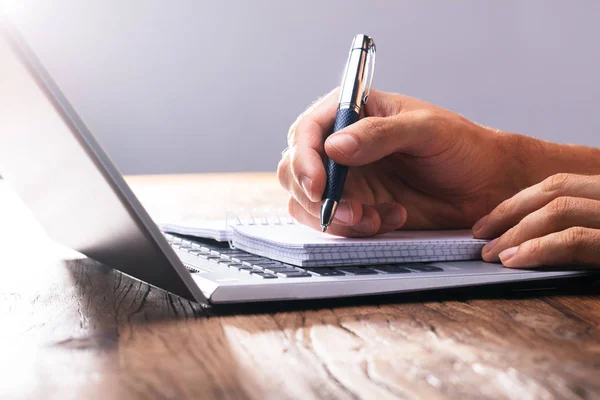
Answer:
(336, 174)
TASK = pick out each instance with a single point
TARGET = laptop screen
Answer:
(66, 179)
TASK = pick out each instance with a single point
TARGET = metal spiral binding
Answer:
(257, 216)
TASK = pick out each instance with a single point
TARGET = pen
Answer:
(354, 92)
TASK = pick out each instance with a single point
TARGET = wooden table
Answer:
(72, 328)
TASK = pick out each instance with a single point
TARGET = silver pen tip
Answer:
(324, 227)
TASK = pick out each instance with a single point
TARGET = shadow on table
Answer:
(133, 300)
(106, 291)
(154, 339)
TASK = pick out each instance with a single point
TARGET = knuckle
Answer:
(427, 119)
(509, 237)
(306, 116)
(313, 208)
(295, 162)
(297, 128)
(373, 124)
(310, 207)
(502, 209)
(556, 183)
(373, 129)
(303, 201)
(534, 247)
(291, 206)
(291, 136)
(282, 170)
(560, 206)
(574, 236)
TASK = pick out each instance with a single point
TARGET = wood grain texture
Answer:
(72, 328)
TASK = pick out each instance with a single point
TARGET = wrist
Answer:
(530, 160)
(515, 161)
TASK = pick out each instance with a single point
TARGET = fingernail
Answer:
(306, 185)
(507, 254)
(365, 225)
(393, 216)
(479, 223)
(489, 246)
(344, 213)
(344, 143)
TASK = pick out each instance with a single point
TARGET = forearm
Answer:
(533, 160)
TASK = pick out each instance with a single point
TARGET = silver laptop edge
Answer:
(153, 249)
(81, 199)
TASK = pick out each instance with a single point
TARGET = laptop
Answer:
(63, 175)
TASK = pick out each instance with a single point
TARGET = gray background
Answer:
(202, 86)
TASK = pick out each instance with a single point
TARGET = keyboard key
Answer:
(282, 268)
(246, 258)
(234, 265)
(173, 239)
(391, 269)
(293, 274)
(358, 270)
(424, 268)
(324, 271)
(232, 252)
(198, 253)
(239, 266)
(266, 263)
(261, 274)
(225, 252)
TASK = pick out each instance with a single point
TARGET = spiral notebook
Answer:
(299, 245)
(207, 229)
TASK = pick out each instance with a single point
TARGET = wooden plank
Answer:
(72, 328)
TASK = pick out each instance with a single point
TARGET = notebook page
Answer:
(208, 229)
(295, 235)
(303, 246)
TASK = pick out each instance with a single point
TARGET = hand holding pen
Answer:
(411, 165)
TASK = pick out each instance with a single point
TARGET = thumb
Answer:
(372, 138)
(363, 142)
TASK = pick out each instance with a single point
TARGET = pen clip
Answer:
(371, 51)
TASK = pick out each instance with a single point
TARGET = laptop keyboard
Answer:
(266, 268)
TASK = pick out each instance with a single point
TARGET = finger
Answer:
(321, 115)
(512, 210)
(313, 125)
(392, 216)
(349, 211)
(299, 188)
(284, 174)
(373, 138)
(308, 171)
(367, 225)
(561, 213)
(305, 138)
(574, 246)
(307, 135)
